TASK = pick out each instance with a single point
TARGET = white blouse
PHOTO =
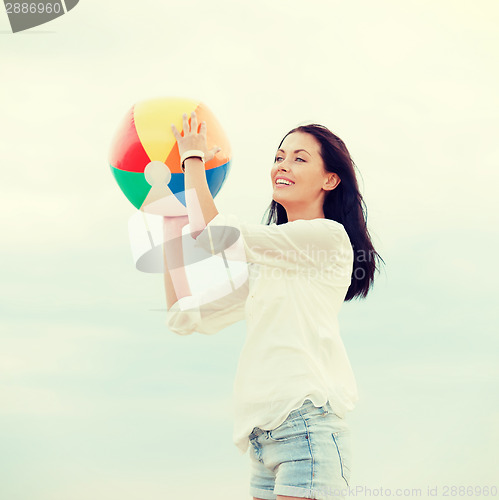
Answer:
(298, 275)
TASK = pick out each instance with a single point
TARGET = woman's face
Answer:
(299, 160)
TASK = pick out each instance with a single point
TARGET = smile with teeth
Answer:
(283, 181)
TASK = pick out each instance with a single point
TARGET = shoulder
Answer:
(320, 232)
(321, 225)
(333, 234)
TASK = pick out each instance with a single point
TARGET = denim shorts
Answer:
(307, 456)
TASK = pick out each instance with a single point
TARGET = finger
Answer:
(202, 130)
(176, 133)
(185, 121)
(194, 122)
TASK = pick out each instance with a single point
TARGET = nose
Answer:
(283, 166)
(281, 170)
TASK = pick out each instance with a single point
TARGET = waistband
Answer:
(307, 404)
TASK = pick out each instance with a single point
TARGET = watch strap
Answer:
(192, 153)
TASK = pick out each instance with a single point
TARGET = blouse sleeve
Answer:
(203, 314)
(297, 245)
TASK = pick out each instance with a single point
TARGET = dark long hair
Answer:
(343, 204)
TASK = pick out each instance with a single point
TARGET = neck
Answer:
(297, 214)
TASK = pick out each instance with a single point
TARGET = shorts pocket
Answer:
(341, 440)
(255, 451)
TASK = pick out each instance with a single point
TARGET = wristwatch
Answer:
(192, 153)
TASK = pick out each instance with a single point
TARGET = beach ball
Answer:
(145, 160)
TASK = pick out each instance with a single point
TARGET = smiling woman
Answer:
(324, 185)
(294, 384)
(303, 170)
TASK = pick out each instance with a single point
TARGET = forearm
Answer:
(201, 207)
(176, 282)
(171, 296)
(176, 285)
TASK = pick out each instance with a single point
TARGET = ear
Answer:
(331, 182)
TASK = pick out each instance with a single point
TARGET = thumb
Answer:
(213, 152)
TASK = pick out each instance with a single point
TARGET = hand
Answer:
(192, 139)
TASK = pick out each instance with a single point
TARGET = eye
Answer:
(280, 158)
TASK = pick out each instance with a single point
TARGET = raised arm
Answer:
(207, 312)
(201, 208)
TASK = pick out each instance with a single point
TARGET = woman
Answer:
(294, 383)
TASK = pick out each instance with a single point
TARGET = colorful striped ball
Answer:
(145, 136)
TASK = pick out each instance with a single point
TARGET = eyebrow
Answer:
(296, 151)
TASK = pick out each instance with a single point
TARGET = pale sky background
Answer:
(98, 399)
